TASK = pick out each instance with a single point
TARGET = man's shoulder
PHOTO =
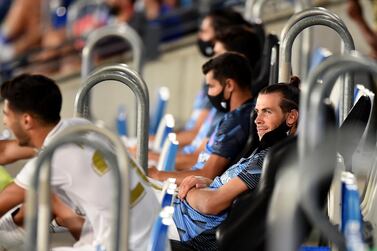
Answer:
(239, 116)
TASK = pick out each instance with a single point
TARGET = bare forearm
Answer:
(66, 217)
(185, 161)
(215, 201)
(186, 137)
(10, 197)
(206, 201)
(179, 176)
(10, 151)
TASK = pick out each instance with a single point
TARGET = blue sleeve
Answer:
(251, 174)
(230, 137)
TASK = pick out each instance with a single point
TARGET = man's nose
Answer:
(258, 119)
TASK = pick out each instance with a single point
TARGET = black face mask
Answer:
(219, 102)
(274, 136)
(206, 48)
(114, 10)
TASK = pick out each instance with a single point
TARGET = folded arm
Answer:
(212, 202)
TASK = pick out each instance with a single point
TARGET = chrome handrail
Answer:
(124, 74)
(286, 48)
(40, 215)
(122, 31)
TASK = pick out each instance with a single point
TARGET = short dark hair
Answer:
(289, 91)
(221, 18)
(242, 39)
(35, 94)
(230, 65)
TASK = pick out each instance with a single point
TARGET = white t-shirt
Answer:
(82, 177)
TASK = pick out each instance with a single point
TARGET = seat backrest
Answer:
(301, 191)
(251, 143)
(264, 74)
(248, 214)
(159, 238)
(160, 108)
(353, 128)
(319, 55)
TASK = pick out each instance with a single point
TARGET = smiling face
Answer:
(269, 113)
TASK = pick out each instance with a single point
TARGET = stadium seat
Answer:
(159, 240)
(248, 214)
(166, 162)
(262, 79)
(160, 108)
(165, 127)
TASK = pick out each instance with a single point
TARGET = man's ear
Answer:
(27, 121)
(292, 118)
(230, 84)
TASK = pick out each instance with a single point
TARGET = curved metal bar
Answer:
(122, 31)
(336, 66)
(254, 8)
(344, 63)
(286, 48)
(288, 37)
(121, 73)
(330, 70)
(306, 40)
(315, 11)
(117, 160)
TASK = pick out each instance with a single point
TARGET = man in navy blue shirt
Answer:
(228, 78)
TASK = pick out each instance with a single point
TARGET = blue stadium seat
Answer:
(169, 192)
(159, 240)
(168, 155)
(319, 55)
(165, 127)
(351, 224)
(159, 111)
(121, 121)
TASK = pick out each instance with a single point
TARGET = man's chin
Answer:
(24, 144)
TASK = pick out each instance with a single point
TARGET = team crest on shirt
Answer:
(99, 164)
(137, 193)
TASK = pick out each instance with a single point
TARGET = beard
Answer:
(24, 141)
(22, 138)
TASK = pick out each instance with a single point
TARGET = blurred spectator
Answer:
(213, 23)
(121, 10)
(241, 39)
(21, 29)
(4, 8)
(355, 11)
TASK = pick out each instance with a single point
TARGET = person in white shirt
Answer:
(81, 178)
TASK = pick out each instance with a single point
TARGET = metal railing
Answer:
(307, 19)
(39, 192)
(123, 74)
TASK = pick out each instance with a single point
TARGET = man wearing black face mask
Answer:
(228, 78)
(213, 22)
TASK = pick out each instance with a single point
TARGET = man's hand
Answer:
(190, 182)
(153, 172)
